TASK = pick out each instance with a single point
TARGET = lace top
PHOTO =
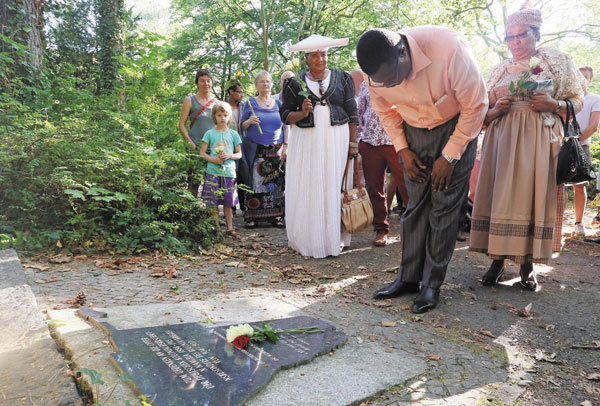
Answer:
(556, 65)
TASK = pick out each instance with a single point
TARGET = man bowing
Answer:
(431, 99)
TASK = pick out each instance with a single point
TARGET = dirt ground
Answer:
(553, 332)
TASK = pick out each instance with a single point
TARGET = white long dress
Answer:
(313, 179)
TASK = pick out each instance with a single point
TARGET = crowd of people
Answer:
(414, 109)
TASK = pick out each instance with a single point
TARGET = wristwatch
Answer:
(559, 106)
(451, 161)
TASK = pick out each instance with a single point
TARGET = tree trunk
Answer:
(110, 24)
(22, 22)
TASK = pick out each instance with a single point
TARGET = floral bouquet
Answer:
(524, 86)
(241, 335)
(218, 150)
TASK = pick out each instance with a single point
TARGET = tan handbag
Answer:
(357, 211)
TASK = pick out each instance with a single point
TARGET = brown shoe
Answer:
(380, 239)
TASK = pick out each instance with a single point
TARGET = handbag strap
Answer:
(207, 105)
(571, 113)
(345, 178)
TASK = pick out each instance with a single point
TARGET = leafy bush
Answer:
(106, 172)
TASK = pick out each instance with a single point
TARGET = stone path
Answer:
(481, 346)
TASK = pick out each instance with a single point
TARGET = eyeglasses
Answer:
(264, 82)
(396, 80)
(522, 35)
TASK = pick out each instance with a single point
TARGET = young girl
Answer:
(219, 181)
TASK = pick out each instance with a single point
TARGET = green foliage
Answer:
(102, 172)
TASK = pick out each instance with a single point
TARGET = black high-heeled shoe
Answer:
(528, 279)
(493, 274)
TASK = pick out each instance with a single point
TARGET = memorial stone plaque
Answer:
(186, 364)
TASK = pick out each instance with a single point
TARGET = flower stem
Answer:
(254, 114)
(305, 330)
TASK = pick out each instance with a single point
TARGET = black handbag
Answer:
(573, 164)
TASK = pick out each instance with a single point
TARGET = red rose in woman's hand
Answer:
(241, 341)
(536, 70)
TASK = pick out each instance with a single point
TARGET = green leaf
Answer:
(95, 376)
(529, 87)
(76, 194)
(512, 89)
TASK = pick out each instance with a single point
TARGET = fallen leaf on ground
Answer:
(37, 267)
(487, 333)
(467, 340)
(540, 355)
(42, 281)
(382, 303)
(80, 257)
(135, 259)
(60, 259)
(404, 307)
(171, 272)
(521, 312)
(586, 403)
(593, 376)
(387, 323)
(157, 274)
(468, 295)
(274, 280)
(233, 264)
(433, 357)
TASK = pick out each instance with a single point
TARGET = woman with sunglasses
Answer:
(320, 107)
(515, 207)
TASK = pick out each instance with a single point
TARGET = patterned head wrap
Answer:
(527, 15)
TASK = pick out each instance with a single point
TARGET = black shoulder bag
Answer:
(573, 164)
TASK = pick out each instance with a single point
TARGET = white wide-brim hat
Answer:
(317, 43)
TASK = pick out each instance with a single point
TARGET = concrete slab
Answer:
(354, 373)
(11, 271)
(351, 374)
(32, 371)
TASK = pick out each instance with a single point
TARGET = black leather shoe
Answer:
(426, 300)
(396, 289)
(596, 240)
(493, 275)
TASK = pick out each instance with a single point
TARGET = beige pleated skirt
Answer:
(514, 211)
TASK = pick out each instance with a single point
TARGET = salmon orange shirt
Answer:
(444, 81)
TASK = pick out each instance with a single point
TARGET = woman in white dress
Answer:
(320, 107)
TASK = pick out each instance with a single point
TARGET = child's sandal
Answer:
(233, 234)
